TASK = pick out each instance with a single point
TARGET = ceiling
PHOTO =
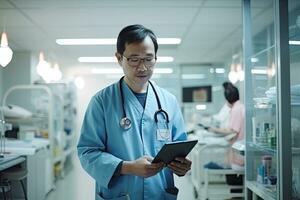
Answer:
(211, 30)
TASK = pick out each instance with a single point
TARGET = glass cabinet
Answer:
(294, 47)
(271, 150)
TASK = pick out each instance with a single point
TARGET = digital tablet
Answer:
(174, 149)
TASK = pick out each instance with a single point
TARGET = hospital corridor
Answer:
(149, 100)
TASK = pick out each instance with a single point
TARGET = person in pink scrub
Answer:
(236, 123)
(236, 116)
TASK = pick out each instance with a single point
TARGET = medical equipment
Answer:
(125, 122)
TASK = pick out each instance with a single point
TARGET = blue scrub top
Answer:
(103, 143)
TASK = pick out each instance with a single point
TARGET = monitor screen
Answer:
(197, 94)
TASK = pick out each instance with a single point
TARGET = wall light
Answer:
(5, 51)
(43, 66)
(79, 82)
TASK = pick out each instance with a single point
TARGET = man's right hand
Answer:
(141, 167)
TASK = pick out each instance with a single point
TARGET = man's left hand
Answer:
(180, 166)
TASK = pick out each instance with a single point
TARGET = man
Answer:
(127, 123)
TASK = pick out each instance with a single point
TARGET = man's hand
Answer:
(141, 167)
(180, 166)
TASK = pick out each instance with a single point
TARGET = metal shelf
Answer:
(263, 191)
(262, 148)
(295, 150)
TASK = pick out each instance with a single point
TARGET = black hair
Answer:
(231, 92)
(134, 33)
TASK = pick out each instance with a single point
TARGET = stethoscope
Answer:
(125, 122)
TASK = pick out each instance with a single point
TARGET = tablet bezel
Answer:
(174, 149)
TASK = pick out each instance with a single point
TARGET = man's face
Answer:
(138, 61)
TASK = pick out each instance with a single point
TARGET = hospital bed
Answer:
(211, 183)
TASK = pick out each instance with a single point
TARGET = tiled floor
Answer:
(77, 185)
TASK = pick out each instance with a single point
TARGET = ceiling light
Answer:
(88, 41)
(97, 59)
(57, 75)
(43, 66)
(201, 107)
(163, 71)
(220, 70)
(5, 51)
(165, 59)
(259, 71)
(233, 77)
(109, 41)
(193, 76)
(294, 42)
(106, 71)
(254, 60)
(113, 70)
(168, 40)
(114, 59)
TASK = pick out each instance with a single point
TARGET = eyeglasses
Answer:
(136, 61)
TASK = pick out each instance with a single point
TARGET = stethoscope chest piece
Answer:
(125, 123)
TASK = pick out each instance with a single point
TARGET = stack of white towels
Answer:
(295, 94)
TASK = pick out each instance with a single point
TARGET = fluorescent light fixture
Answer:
(109, 41)
(201, 107)
(120, 71)
(165, 59)
(114, 59)
(193, 76)
(168, 40)
(163, 70)
(97, 59)
(254, 60)
(220, 70)
(106, 71)
(258, 71)
(88, 41)
(294, 42)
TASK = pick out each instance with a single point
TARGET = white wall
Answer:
(18, 71)
(92, 85)
(295, 71)
(1, 84)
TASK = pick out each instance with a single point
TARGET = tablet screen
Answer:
(175, 149)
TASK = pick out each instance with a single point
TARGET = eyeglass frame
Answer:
(139, 62)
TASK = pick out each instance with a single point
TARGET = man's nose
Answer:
(142, 66)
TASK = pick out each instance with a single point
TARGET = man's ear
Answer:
(119, 58)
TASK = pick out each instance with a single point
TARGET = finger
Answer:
(184, 161)
(151, 172)
(184, 167)
(180, 159)
(177, 169)
(149, 158)
(154, 165)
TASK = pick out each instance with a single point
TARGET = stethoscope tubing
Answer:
(125, 118)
